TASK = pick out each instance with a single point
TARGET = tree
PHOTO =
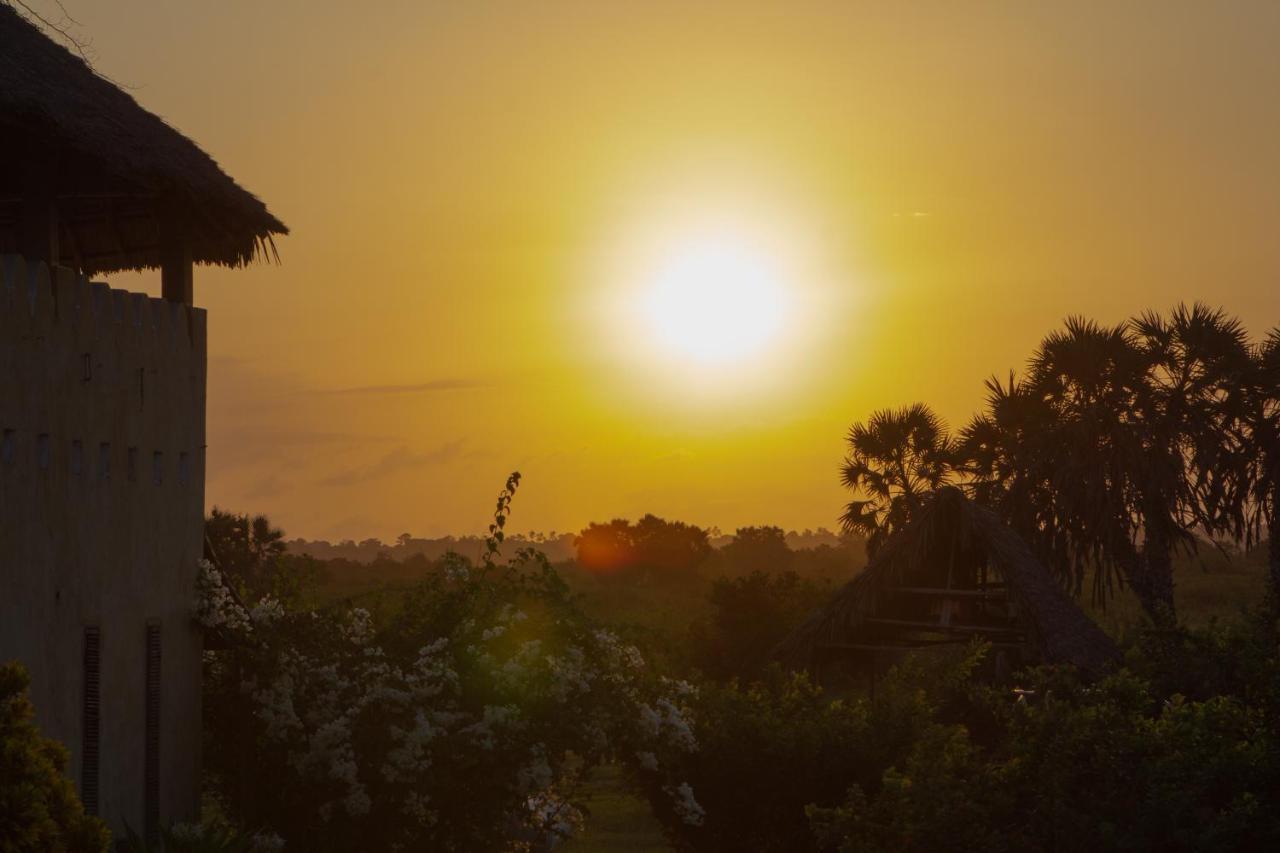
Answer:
(1110, 453)
(605, 547)
(758, 549)
(895, 459)
(1194, 387)
(251, 554)
(39, 810)
(652, 544)
(1261, 445)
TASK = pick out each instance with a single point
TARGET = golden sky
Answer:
(473, 187)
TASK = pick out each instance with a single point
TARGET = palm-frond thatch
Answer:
(951, 538)
(120, 175)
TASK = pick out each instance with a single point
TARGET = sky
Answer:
(483, 195)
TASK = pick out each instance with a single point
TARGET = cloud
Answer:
(412, 388)
(400, 459)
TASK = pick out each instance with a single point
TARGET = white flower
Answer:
(686, 807)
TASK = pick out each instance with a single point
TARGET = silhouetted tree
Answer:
(251, 554)
(653, 545)
(895, 459)
(758, 549)
(1262, 451)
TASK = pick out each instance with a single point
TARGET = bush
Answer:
(39, 810)
(768, 750)
(750, 615)
(1075, 766)
(463, 722)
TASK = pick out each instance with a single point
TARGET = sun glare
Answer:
(714, 300)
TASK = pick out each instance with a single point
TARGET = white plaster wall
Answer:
(96, 547)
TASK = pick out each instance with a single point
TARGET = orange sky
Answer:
(468, 182)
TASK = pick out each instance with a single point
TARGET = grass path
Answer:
(619, 820)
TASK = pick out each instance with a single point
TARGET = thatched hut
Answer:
(93, 181)
(954, 573)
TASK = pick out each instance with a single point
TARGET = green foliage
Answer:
(461, 721)
(211, 837)
(749, 616)
(768, 750)
(1068, 765)
(39, 810)
(250, 553)
(758, 549)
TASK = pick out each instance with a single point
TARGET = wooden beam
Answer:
(891, 647)
(38, 228)
(949, 593)
(934, 626)
(176, 284)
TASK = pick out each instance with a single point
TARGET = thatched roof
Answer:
(120, 174)
(948, 525)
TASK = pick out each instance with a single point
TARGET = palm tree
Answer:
(1262, 446)
(1194, 391)
(895, 459)
(1114, 438)
(1055, 454)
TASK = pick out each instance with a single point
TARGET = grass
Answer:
(619, 821)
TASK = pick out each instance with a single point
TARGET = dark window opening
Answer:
(184, 467)
(157, 467)
(7, 442)
(42, 451)
(77, 457)
(104, 462)
(151, 763)
(131, 465)
(91, 721)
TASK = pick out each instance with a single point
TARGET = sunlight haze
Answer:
(514, 226)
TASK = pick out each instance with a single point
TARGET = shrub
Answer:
(39, 810)
(768, 750)
(462, 723)
(750, 615)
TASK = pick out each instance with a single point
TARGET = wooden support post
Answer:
(176, 284)
(39, 227)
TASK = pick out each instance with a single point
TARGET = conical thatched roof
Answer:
(119, 173)
(948, 526)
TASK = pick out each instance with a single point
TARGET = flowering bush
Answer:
(464, 721)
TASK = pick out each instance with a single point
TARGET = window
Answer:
(91, 720)
(157, 467)
(151, 762)
(42, 451)
(104, 462)
(131, 465)
(184, 467)
(7, 442)
(77, 457)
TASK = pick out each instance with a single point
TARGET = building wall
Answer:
(102, 403)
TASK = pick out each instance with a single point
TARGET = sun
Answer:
(714, 299)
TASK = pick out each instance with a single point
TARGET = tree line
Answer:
(1117, 447)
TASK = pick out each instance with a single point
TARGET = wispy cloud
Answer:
(399, 459)
(412, 388)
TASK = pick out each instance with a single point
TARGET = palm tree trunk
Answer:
(1273, 543)
(1150, 574)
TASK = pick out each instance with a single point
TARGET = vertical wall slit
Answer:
(91, 722)
(151, 770)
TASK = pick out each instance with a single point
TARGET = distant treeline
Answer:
(558, 547)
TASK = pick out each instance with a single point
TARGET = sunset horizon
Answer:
(834, 426)
(441, 314)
